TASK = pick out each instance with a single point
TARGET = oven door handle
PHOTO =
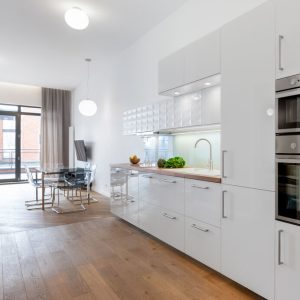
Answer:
(288, 160)
(284, 94)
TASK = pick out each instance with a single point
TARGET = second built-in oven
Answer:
(288, 178)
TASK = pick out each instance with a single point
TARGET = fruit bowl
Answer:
(134, 160)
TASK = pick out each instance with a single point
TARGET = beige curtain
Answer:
(56, 119)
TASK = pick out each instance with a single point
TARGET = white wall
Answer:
(132, 79)
(19, 94)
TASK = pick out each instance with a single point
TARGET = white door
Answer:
(171, 71)
(287, 261)
(248, 91)
(247, 226)
(202, 58)
(287, 37)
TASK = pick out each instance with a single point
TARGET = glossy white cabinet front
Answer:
(287, 38)
(248, 238)
(203, 201)
(248, 90)
(162, 191)
(287, 261)
(202, 242)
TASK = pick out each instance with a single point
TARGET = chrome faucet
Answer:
(210, 152)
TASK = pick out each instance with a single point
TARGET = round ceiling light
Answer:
(87, 107)
(76, 18)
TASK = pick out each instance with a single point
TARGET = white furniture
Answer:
(248, 238)
(196, 61)
(161, 209)
(202, 222)
(248, 149)
(287, 261)
(287, 38)
(248, 90)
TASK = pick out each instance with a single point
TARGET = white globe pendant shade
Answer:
(87, 107)
(76, 18)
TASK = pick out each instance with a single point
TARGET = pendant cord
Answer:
(88, 60)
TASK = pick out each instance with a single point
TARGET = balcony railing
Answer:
(30, 157)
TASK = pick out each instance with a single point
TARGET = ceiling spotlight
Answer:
(176, 93)
(207, 83)
(76, 18)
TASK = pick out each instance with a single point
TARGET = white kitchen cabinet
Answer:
(131, 203)
(171, 71)
(196, 61)
(248, 225)
(202, 242)
(203, 201)
(162, 191)
(248, 90)
(287, 261)
(211, 105)
(287, 37)
(202, 58)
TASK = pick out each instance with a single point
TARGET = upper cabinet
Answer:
(196, 61)
(287, 35)
(248, 90)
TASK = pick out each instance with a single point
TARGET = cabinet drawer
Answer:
(148, 219)
(202, 242)
(163, 191)
(203, 201)
(171, 228)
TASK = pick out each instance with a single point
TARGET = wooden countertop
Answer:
(169, 172)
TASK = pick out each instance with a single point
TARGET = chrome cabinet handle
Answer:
(280, 38)
(199, 228)
(223, 205)
(169, 217)
(223, 164)
(147, 176)
(200, 187)
(168, 181)
(280, 262)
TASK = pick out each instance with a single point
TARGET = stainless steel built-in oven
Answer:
(288, 149)
(288, 104)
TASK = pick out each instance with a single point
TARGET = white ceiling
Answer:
(38, 48)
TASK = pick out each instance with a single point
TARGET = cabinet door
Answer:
(171, 71)
(287, 37)
(248, 90)
(287, 261)
(211, 105)
(202, 242)
(203, 201)
(203, 58)
(131, 204)
(163, 191)
(248, 238)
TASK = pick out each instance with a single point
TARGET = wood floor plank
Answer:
(95, 256)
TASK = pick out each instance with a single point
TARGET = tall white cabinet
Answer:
(248, 238)
(248, 90)
(287, 261)
(248, 150)
(287, 37)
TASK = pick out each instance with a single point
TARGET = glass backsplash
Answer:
(184, 145)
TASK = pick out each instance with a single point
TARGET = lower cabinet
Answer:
(202, 242)
(247, 250)
(166, 225)
(287, 261)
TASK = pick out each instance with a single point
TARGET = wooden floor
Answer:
(14, 217)
(100, 258)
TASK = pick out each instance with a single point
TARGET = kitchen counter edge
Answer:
(169, 172)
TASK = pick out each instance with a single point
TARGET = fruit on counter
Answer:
(134, 159)
(161, 163)
(171, 163)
